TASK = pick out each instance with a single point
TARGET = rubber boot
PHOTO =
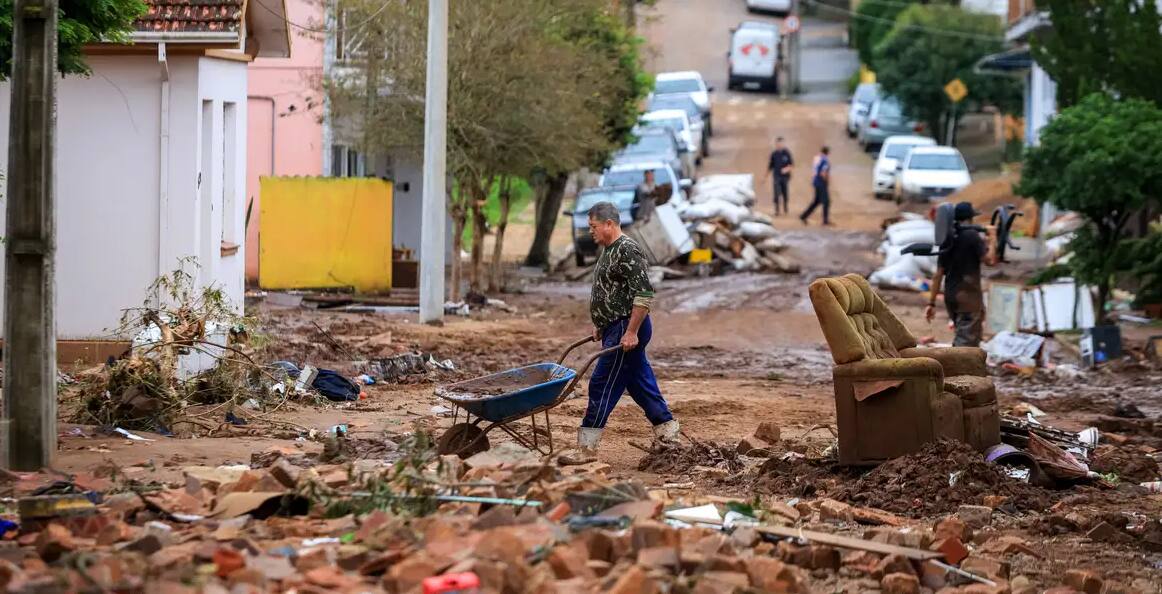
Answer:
(667, 432)
(586, 452)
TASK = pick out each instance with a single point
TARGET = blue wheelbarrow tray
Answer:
(510, 394)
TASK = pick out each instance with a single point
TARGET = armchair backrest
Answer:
(855, 320)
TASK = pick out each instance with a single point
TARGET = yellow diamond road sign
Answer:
(955, 90)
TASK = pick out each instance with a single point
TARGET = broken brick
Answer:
(647, 535)
(1008, 545)
(637, 511)
(227, 561)
(953, 550)
(900, 583)
(768, 432)
(598, 567)
(1084, 580)
(744, 537)
(570, 561)
(976, 516)
(983, 566)
(634, 581)
(659, 557)
(747, 445)
(893, 564)
(771, 575)
(836, 511)
(721, 582)
(410, 573)
(285, 473)
(875, 517)
(782, 509)
(953, 527)
(53, 542)
(861, 561)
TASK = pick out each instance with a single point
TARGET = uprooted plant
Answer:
(192, 357)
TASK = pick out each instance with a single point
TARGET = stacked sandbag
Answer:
(905, 271)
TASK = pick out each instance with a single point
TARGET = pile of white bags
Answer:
(906, 271)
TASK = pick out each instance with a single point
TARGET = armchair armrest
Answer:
(901, 368)
(954, 360)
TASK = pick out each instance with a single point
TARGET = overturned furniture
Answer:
(891, 397)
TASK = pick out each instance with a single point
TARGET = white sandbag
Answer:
(904, 274)
(894, 253)
(1064, 224)
(917, 235)
(724, 193)
(1058, 246)
(741, 182)
(905, 225)
(698, 212)
(754, 231)
(759, 217)
(771, 244)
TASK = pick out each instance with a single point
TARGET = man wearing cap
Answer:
(959, 269)
(619, 307)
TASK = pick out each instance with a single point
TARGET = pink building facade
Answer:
(285, 109)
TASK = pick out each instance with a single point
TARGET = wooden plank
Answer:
(848, 542)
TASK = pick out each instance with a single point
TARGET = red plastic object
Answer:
(453, 583)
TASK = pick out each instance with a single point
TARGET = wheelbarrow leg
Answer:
(549, 431)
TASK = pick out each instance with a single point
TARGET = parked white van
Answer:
(754, 56)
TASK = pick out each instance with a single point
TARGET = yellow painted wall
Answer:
(325, 232)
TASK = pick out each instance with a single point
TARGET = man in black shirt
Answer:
(779, 165)
(959, 269)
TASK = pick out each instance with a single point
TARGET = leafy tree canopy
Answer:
(1112, 46)
(914, 62)
(1103, 159)
(80, 22)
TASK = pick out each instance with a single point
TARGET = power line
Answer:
(326, 30)
(932, 30)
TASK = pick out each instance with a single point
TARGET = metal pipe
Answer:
(163, 164)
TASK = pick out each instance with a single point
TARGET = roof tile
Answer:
(184, 16)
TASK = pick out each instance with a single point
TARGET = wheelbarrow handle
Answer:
(573, 347)
(581, 372)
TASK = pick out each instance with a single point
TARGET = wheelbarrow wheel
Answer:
(462, 439)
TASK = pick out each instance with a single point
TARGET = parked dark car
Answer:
(621, 196)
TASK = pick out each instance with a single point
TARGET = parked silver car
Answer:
(885, 119)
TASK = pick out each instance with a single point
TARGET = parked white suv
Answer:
(894, 149)
(930, 173)
(690, 83)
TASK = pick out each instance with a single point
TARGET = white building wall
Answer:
(114, 238)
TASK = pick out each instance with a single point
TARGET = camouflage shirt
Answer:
(620, 281)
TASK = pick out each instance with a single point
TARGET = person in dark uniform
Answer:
(821, 181)
(779, 166)
(959, 269)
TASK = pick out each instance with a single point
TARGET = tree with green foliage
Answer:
(81, 22)
(1110, 46)
(1101, 158)
(520, 97)
(872, 22)
(930, 46)
(617, 95)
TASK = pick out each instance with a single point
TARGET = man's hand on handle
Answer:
(930, 313)
(629, 341)
(596, 334)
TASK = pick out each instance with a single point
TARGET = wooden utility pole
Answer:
(30, 376)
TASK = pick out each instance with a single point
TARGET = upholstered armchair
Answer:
(892, 397)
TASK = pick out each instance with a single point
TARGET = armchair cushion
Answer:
(897, 368)
(972, 390)
(955, 360)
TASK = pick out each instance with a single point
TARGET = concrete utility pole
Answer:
(435, 207)
(29, 431)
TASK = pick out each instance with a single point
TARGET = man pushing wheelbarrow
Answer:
(619, 307)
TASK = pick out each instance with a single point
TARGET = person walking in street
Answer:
(820, 180)
(619, 307)
(645, 197)
(779, 166)
(959, 269)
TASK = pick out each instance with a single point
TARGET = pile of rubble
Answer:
(505, 519)
(722, 218)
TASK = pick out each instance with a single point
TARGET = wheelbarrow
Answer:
(497, 401)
